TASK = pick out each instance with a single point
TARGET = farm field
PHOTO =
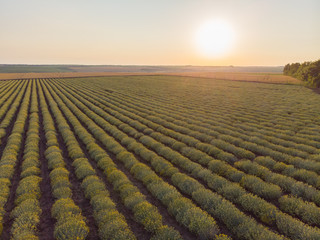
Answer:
(158, 157)
(266, 77)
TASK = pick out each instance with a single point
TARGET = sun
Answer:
(214, 38)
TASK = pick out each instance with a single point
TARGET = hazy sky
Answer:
(266, 32)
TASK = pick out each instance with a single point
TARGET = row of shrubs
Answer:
(254, 181)
(10, 153)
(265, 211)
(193, 217)
(288, 140)
(144, 212)
(104, 209)
(186, 184)
(307, 211)
(254, 147)
(184, 124)
(28, 193)
(290, 150)
(252, 118)
(12, 101)
(255, 184)
(228, 120)
(187, 136)
(286, 134)
(8, 93)
(205, 138)
(288, 184)
(164, 128)
(300, 161)
(303, 175)
(210, 149)
(189, 152)
(70, 223)
(308, 164)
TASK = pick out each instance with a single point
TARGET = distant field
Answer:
(4, 76)
(248, 77)
(22, 68)
(236, 76)
(158, 157)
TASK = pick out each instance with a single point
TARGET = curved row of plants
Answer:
(9, 158)
(239, 152)
(95, 190)
(70, 223)
(187, 214)
(11, 100)
(260, 210)
(27, 206)
(299, 174)
(256, 116)
(182, 182)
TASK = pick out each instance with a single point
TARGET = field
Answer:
(158, 157)
(234, 76)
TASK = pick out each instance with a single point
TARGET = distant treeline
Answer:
(307, 71)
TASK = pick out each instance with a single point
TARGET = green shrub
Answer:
(62, 181)
(148, 215)
(30, 162)
(193, 218)
(75, 151)
(112, 225)
(29, 185)
(25, 196)
(64, 207)
(116, 229)
(307, 211)
(30, 171)
(72, 228)
(25, 225)
(62, 192)
(84, 170)
(55, 159)
(185, 183)
(261, 188)
(95, 188)
(222, 237)
(27, 206)
(101, 201)
(167, 233)
(133, 200)
(58, 172)
(295, 229)
(6, 171)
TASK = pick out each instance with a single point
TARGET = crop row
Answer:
(70, 223)
(11, 100)
(226, 117)
(260, 209)
(189, 215)
(299, 174)
(11, 151)
(93, 187)
(183, 181)
(241, 153)
(27, 211)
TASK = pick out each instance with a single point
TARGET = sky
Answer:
(150, 32)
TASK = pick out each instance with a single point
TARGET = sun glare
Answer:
(214, 38)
